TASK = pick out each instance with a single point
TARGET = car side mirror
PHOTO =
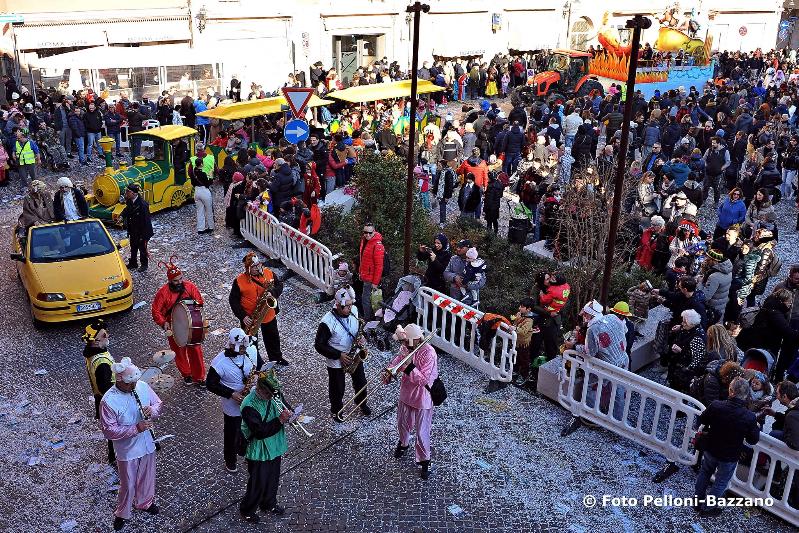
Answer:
(18, 256)
(124, 243)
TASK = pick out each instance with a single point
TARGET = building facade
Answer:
(200, 44)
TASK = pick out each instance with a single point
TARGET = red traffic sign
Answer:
(297, 98)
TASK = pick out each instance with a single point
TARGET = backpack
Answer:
(747, 316)
(487, 328)
(450, 151)
(775, 265)
(386, 263)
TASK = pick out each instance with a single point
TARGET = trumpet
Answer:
(295, 420)
(377, 383)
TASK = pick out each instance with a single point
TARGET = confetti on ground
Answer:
(482, 464)
(139, 305)
(455, 509)
(41, 372)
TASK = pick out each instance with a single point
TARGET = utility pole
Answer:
(637, 24)
(416, 8)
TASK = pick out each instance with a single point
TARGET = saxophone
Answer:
(265, 302)
(358, 354)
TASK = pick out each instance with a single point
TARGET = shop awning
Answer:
(255, 108)
(41, 37)
(124, 56)
(383, 91)
(148, 32)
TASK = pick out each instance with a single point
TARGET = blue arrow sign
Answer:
(296, 131)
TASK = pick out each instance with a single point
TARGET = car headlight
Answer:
(51, 297)
(116, 287)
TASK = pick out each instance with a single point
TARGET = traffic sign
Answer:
(296, 131)
(297, 98)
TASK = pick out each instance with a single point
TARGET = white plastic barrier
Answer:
(459, 337)
(263, 230)
(772, 472)
(307, 257)
(647, 414)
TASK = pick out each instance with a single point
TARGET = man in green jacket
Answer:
(262, 420)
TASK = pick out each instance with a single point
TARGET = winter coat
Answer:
(788, 422)
(80, 204)
(769, 176)
(583, 141)
(77, 126)
(731, 212)
(746, 266)
(744, 123)
(755, 212)
(93, 120)
(468, 203)
(712, 387)
(282, 185)
(730, 422)
(476, 166)
(372, 254)
(763, 267)
(678, 171)
(693, 190)
(717, 286)
(434, 275)
(136, 217)
(651, 134)
(448, 177)
(514, 141)
(770, 327)
(113, 122)
(493, 196)
(697, 166)
(455, 267)
(469, 142)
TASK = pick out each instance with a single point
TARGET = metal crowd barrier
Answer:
(772, 472)
(307, 257)
(631, 406)
(457, 334)
(648, 415)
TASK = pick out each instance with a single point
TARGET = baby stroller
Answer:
(758, 359)
(398, 310)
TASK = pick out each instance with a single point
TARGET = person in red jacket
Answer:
(188, 359)
(371, 266)
(646, 249)
(312, 185)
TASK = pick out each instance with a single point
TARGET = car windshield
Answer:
(74, 240)
(558, 62)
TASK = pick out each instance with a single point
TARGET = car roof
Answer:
(68, 222)
(168, 133)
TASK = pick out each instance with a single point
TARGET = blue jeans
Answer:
(442, 210)
(117, 141)
(786, 188)
(511, 162)
(724, 471)
(79, 142)
(93, 141)
(569, 142)
(135, 146)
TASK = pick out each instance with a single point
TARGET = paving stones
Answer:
(343, 479)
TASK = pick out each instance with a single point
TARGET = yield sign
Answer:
(297, 98)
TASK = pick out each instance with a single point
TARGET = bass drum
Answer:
(188, 326)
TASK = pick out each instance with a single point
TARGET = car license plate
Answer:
(91, 306)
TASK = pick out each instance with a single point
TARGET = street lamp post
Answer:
(637, 24)
(416, 9)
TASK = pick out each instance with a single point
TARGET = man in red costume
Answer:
(188, 359)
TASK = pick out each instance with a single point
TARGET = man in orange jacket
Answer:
(244, 295)
(188, 359)
(479, 168)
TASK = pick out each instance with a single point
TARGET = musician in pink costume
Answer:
(188, 359)
(126, 413)
(415, 407)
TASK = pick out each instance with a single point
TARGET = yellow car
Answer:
(72, 270)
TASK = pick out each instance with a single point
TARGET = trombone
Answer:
(296, 417)
(377, 383)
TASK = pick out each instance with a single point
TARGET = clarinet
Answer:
(145, 417)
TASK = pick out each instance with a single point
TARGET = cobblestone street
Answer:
(499, 463)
